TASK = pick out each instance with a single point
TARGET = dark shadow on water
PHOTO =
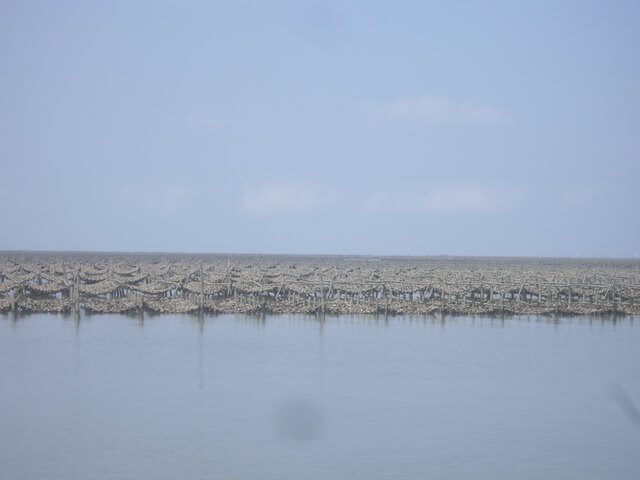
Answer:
(626, 404)
(299, 420)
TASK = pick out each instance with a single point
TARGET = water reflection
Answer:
(261, 319)
(200, 351)
(219, 396)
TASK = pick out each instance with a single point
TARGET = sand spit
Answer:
(116, 283)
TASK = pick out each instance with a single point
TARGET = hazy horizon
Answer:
(285, 254)
(321, 128)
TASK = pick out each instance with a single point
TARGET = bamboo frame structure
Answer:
(175, 283)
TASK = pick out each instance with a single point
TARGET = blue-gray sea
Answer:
(241, 397)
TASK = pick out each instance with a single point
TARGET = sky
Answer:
(334, 127)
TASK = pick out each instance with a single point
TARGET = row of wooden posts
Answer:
(322, 295)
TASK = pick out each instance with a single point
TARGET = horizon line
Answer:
(363, 255)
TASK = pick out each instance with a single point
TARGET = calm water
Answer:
(290, 397)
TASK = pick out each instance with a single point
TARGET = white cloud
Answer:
(440, 110)
(149, 198)
(281, 199)
(453, 199)
(460, 199)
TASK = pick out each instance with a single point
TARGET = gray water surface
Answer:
(238, 397)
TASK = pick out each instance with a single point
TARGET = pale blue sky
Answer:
(470, 128)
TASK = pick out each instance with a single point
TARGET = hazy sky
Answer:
(471, 128)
